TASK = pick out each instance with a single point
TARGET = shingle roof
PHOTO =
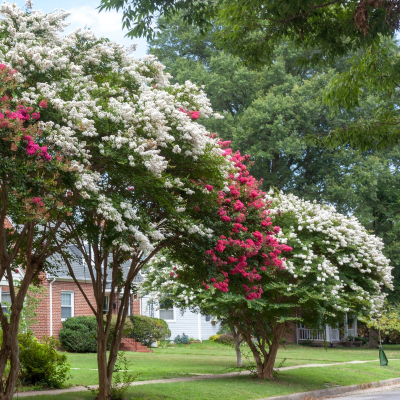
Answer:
(79, 266)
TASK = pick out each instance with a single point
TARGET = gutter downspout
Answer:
(51, 306)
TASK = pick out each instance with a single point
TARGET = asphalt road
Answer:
(372, 394)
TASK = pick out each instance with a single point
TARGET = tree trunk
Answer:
(238, 353)
(106, 367)
(373, 338)
(104, 380)
(265, 360)
(238, 339)
(268, 366)
(10, 347)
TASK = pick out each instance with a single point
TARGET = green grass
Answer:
(247, 388)
(212, 358)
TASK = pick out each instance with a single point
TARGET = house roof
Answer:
(7, 224)
(80, 268)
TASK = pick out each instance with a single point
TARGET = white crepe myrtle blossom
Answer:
(333, 253)
(160, 284)
(99, 100)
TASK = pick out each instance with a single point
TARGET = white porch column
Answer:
(328, 336)
(355, 326)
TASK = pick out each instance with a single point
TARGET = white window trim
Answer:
(1, 297)
(108, 303)
(72, 302)
(168, 320)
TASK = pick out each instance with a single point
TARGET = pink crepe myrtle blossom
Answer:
(192, 114)
(32, 148)
(250, 253)
(38, 201)
(43, 103)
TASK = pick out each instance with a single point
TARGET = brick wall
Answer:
(80, 306)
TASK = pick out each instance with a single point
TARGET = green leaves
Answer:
(375, 71)
(252, 29)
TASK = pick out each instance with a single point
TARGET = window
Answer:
(208, 317)
(67, 305)
(5, 298)
(167, 314)
(106, 304)
(167, 309)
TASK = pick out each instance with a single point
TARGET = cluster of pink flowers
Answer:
(34, 149)
(4, 70)
(251, 249)
(192, 114)
(38, 201)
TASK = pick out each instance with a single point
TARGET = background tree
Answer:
(252, 29)
(377, 71)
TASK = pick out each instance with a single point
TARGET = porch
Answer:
(329, 334)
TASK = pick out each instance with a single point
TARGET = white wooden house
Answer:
(196, 326)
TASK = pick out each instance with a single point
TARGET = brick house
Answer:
(62, 298)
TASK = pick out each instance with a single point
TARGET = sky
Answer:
(84, 13)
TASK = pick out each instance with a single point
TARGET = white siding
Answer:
(187, 323)
(207, 329)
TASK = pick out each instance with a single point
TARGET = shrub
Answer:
(40, 362)
(213, 338)
(184, 339)
(128, 326)
(78, 334)
(307, 343)
(226, 339)
(147, 330)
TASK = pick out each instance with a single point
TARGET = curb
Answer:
(315, 394)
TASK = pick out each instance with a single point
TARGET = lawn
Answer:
(247, 388)
(212, 358)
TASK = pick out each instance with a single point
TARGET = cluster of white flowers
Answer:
(143, 110)
(160, 282)
(337, 251)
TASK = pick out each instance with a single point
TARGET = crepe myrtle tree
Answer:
(331, 266)
(35, 172)
(116, 159)
(150, 167)
(239, 261)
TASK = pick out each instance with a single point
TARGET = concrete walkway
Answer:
(198, 377)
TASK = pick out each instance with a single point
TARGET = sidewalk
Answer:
(188, 379)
